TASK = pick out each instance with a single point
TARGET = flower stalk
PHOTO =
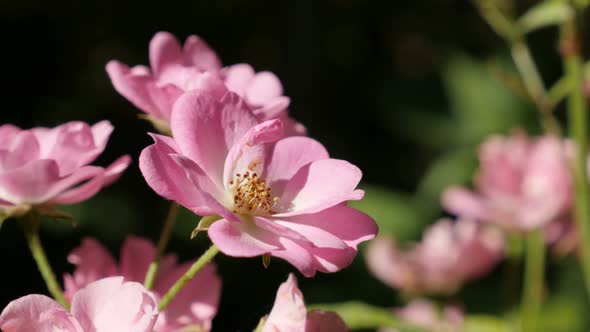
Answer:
(533, 280)
(31, 229)
(162, 243)
(578, 125)
(185, 278)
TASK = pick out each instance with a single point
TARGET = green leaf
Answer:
(453, 168)
(2, 219)
(358, 315)
(394, 212)
(481, 103)
(482, 323)
(544, 14)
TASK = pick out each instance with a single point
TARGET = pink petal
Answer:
(288, 313)
(330, 260)
(340, 221)
(320, 185)
(273, 108)
(38, 182)
(249, 153)
(116, 169)
(168, 178)
(23, 149)
(237, 77)
(113, 305)
(288, 156)
(211, 194)
(297, 254)
(37, 313)
(465, 203)
(164, 50)
(196, 305)
(243, 239)
(196, 118)
(133, 86)
(7, 134)
(136, 255)
(292, 127)
(93, 262)
(200, 55)
(74, 147)
(387, 264)
(264, 87)
(84, 191)
(101, 131)
(319, 321)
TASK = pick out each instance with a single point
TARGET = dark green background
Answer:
(403, 89)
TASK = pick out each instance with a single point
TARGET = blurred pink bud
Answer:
(176, 69)
(450, 254)
(105, 305)
(194, 307)
(523, 183)
(424, 313)
(45, 166)
(284, 197)
(289, 314)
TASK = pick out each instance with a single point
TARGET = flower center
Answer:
(251, 195)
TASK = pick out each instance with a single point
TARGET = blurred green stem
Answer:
(578, 122)
(524, 62)
(30, 226)
(189, 274)
(162, 243)
(533, 280)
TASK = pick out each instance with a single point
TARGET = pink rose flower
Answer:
(195, 66)
(523, 183)
(289, 314)
(194, 307)
(106, 305)
(423, 313)
(284, 197)
(45, 166)
(449, 254)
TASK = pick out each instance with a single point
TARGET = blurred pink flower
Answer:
(450, 254)
(195, 66)
(289, 314)
(279, 196)
(45, 166)
(523, 183)
(194, 307)
(105, 305)
(424, 313)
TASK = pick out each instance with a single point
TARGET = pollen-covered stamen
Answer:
(251, 194)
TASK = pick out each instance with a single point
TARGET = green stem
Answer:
(524, 62)
(533, 280)
(534, 85)
(31, 230)
(578, 122)
(162, 243)
(185, 278)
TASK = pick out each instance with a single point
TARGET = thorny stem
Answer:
(162, 243)
(31, 230)
(185, 278)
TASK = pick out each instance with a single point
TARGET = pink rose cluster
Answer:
(176, 69)
(450, 253)
(226, 149)
(523, 183)
(45, 166)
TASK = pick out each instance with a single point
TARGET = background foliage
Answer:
(404, 89)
